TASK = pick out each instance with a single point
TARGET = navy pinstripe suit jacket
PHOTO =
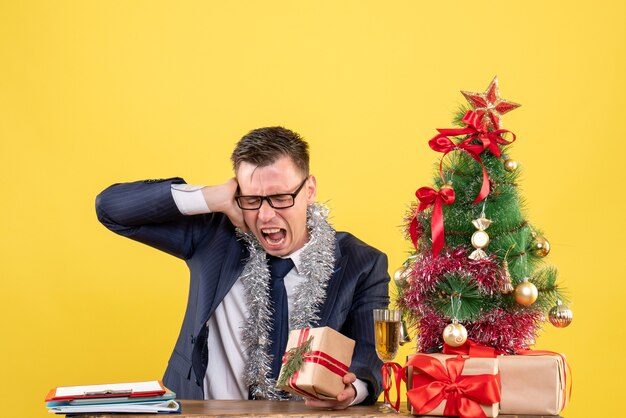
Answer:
(145, 211)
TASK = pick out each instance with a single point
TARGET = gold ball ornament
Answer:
(401, 275)
(510, 165)
(560, 316)
(455, 334)
(540, 246)
(526, 293)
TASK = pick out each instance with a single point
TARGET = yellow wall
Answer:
(97, 92)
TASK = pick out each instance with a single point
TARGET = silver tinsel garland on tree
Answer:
(317, 265)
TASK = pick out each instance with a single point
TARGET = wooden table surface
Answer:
(259, 409)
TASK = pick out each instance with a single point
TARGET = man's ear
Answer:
(311, 189)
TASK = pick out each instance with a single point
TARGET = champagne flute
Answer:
(387, 337)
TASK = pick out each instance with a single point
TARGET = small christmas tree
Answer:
(478, 270)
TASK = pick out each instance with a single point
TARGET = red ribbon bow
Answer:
(490, 140)
(474, 130)
(428, 197)
(463, 394)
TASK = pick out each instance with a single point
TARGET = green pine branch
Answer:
(457, 296)
(295, 359)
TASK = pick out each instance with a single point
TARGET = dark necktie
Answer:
(279, 267)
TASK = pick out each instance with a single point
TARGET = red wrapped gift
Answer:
(453, 385)
(315, 363)
(537, 376)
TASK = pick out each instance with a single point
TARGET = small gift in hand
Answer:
(315, 361)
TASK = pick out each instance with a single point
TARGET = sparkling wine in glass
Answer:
(387, 333)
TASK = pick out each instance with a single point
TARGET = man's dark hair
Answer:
(263, 146)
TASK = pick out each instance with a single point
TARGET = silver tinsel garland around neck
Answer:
(317, 262)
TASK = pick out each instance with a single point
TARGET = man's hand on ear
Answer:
(221, 198)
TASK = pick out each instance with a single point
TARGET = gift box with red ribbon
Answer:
(453, 385)
(540, 375)
(533, 375)
(315, 361)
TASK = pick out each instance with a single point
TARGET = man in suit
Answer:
(235, 237)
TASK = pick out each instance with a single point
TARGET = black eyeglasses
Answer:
(277, 201)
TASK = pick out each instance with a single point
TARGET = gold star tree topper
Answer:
(489, 105)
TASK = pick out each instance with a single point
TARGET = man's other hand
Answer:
(344, 398)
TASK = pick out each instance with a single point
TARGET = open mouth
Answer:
(274, 236)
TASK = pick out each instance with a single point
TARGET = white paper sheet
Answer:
(134, 387)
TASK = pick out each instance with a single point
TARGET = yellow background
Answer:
(97, 92)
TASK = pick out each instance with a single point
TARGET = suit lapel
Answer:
(231, 267)
(231, 270)
(334, 284)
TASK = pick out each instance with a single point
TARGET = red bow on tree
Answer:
(428, 197)
(437, 383)
(474, 130)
